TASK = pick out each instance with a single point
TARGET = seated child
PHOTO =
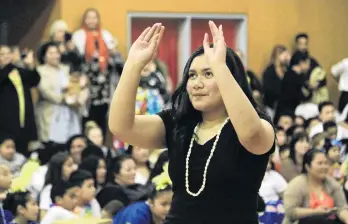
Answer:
(64, 197)
(5, 184)
(9, 156)
(21, 208)
(318, 141)
(154, 210)
(6, 181)
(332, 149)
(87, 205)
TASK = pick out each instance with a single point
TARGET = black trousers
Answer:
(320, 219)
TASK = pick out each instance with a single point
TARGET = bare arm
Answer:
(141, 130)
(255, 134)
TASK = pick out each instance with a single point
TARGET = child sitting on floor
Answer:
(21, 208)
(64, 197)
(87, 205)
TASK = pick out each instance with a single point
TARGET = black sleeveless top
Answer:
(234, 177)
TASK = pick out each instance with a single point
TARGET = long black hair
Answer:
(74, 137)
(15, 199)
(296, 138)
(91, 164)
(183, 112)
(54, 171)
(116, 166)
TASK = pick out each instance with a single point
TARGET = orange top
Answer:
(103, 52)
(324, 200)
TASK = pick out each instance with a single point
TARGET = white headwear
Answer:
(58, 25)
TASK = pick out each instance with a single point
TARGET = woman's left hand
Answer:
(216, 54)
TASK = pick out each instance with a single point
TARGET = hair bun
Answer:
(91, 124)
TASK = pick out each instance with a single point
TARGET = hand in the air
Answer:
(29, 60)
(217, 54)
(144, 48)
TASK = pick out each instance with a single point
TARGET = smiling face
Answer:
(76, 148)
(91, 19)
(126, 175)
(52, 56)
(319, 167)
(201, 86)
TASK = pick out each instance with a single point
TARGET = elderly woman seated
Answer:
(314, 196)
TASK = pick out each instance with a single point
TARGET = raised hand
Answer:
(144, 48)
(29, 60)
(217, 54)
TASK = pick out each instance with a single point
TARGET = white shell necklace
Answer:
(206, 164)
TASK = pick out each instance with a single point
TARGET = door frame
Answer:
(184, 51)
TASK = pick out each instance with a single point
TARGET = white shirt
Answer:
(307, 110)
(57, 213)
(38, 180)
(272, 185)
(140, 178)
(341, 70)
(45, 198)
(79, 40)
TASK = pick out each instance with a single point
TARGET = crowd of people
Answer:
(55, 163)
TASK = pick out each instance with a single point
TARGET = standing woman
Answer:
(216, 167)
(102, 64)
(273, 76)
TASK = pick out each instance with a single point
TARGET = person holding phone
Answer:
(315, 197)
(17, 117)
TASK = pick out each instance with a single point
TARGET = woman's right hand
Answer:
(324, 210)
(145, 47)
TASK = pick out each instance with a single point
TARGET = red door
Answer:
(168, 49)
(200, 26)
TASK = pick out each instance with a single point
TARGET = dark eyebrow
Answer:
(203, 70)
